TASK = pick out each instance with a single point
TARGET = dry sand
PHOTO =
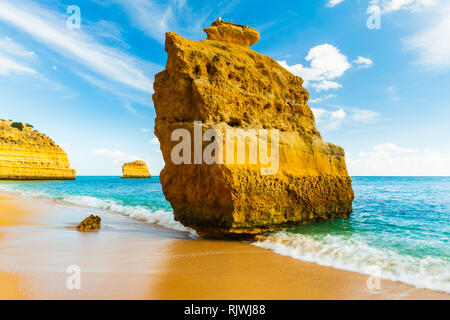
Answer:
(128, 259)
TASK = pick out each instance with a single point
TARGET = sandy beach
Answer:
(129, 259)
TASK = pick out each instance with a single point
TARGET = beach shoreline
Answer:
(129, 259)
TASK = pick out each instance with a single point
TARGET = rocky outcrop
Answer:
(232, 33)
(223, 85)
(91, 223)
(135, 169)
(26, 154)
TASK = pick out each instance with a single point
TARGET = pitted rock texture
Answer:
(135, 169)
(91, 223)
(232, 33)
(26, 154)
(229, 86)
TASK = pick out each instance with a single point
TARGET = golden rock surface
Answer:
(91, 223)
(26, 154)
(135, 169)
(232, 33)
(229, 86)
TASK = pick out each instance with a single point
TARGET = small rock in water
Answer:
(90, 223)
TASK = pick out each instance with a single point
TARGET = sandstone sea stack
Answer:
(26, 154)
(223, 85)
(135, 169)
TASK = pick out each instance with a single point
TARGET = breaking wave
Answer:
(159, 217)
(355, 254)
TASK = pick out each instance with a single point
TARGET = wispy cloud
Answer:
(8, 66)
(155, 18)
(391, 160)
(321, 99)
(48, 27)
(332, 117)
(329, 120)
(12, 48)
(14, 58)
(408, 5)
(333, 3)
(361, 115)
(130, 108)
(432, 43)
(115, 89)
(363, 62)
(114, 154)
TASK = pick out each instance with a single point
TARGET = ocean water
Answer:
(399, 229)
(140, 199)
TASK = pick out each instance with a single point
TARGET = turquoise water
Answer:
(399, 229)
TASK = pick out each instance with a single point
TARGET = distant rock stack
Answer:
(26, 154)
(135, 169)
(224, 85)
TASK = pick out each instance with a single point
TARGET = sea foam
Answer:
(159, 217)
(355, 254)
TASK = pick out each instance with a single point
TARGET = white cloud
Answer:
(145, 130)
(48, 27)
(155, 18)
(408, 5)
(333, 3)
(329, 120)
(12, 48)
(8, 66)
(130, 108)
(325, 85)
(327, 63)
(363, 62)
(138, 97)
(151, 17)
(362, 115)
(433, 42)
(115, 154)
(321, 99)
(14, 58)
(390, 160)
(154, 141)
(392, 93)
(390, 148)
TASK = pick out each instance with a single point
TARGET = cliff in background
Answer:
(135, 169)
(226, 85)
(26, 154)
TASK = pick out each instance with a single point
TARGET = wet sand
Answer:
(128, 259)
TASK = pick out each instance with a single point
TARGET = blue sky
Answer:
(382, 94)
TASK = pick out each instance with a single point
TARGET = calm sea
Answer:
(399, 229)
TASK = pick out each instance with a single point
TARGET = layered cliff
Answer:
(135, 169)
(216, 86)
(26, 154)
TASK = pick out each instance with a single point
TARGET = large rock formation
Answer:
(26, 154)
(135, 169)
(227, 86)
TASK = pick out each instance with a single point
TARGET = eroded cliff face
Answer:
(26, 154)
(228, 86)
(135, 169)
